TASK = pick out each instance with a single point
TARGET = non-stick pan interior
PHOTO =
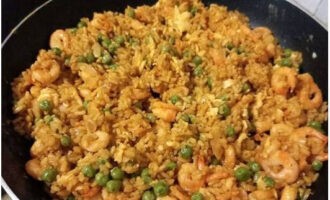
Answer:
(292, 27)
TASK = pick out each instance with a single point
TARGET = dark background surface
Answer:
(291, 26)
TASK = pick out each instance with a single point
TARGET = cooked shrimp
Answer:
(289, 168)
(164, 111)
(45, 72)
(309, 93)
(33, 168)
(59, 39)
(95, 141)
(284, 80)
(289, 193)
(190, 177)
(301, 135)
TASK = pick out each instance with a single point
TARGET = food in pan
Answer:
(173, 101)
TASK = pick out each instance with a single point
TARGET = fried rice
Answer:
(172, 101)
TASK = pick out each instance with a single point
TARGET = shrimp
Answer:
(59, 39)
(190, 177)
(289, 193)
(309, 94)
(45, 72)
(95, 141)
(301, 135)
(289, 168)
(164, 111)
(284, 80)
(33, 168)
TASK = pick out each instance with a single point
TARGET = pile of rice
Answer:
(181, 97)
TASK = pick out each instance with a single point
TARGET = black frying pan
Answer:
(292, 27)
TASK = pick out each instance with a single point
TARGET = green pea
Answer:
(73, 30)
(85, 104)
(105, 42)
(209, 83)
(101, 179)
(316, 125)
(151, 117)
(246, 87)
(146, 176)
(88, 171)
(113, 186)
(120, 40)
(70, 197)
(254, 166)
(269, 182)
(198, 71)
(148, 195)
(186, 152)
(49, 175)
(166, 48)
(287, 53)
(45, 105)
(81, 24)
(175, 98)
(286, 62)
(242, 173)
(224, 110)
(65, 141)
(185, 117)
(112, 48)
(90, 58)
(161, 189)
(172, 40)
(317, 165)
(197, 60)
(113, 66)
(230, 131)
(186, 53)
(197, 196)
(240, 50)
(117, 173)
(229, 46)
(130, 12)
(214, 161)
(138, 105)
(49, 118)
(223, 97)
(193, 10)
(81, 59)
(106, 59)
(57, 51)
(171, 166)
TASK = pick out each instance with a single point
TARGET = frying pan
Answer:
(292, 27)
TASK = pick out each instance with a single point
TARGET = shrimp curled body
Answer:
(45, 72)
(284, 80)
(190, 178)
(59, 39)
(290, 169)
(309, 94)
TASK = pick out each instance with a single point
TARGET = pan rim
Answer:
(5, 186)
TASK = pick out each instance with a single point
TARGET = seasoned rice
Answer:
(187, 100)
